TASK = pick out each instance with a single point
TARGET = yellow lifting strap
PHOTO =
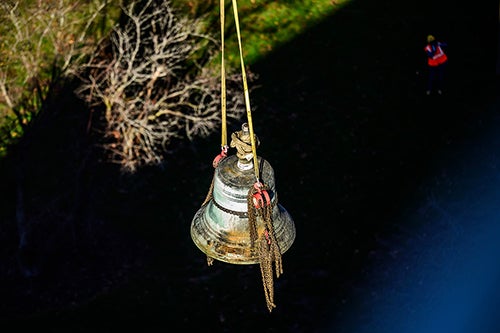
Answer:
(223, 80)
(245, 88)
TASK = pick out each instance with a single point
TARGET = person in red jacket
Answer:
(436, 61)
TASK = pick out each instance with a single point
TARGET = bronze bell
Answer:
(220, 228)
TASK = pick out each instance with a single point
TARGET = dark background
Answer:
(342, 117)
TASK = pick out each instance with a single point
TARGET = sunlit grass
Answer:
(265, 25)
(36, 50)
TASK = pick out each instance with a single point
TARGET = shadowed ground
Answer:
(356, 146)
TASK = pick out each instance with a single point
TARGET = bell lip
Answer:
(223, 259)
(239, 259)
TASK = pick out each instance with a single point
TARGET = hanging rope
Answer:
(223, 144)
(259, 205)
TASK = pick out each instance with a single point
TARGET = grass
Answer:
(267, 25)
(264, 24)
(33, 50)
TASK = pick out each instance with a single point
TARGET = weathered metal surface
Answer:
(220, 229)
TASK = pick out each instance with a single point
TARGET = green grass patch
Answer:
(264, 24)
(41, 42)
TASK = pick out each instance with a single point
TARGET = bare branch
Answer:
(150, 93)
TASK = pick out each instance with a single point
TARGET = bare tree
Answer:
(151, 86)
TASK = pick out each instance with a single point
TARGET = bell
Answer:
(221, 227)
